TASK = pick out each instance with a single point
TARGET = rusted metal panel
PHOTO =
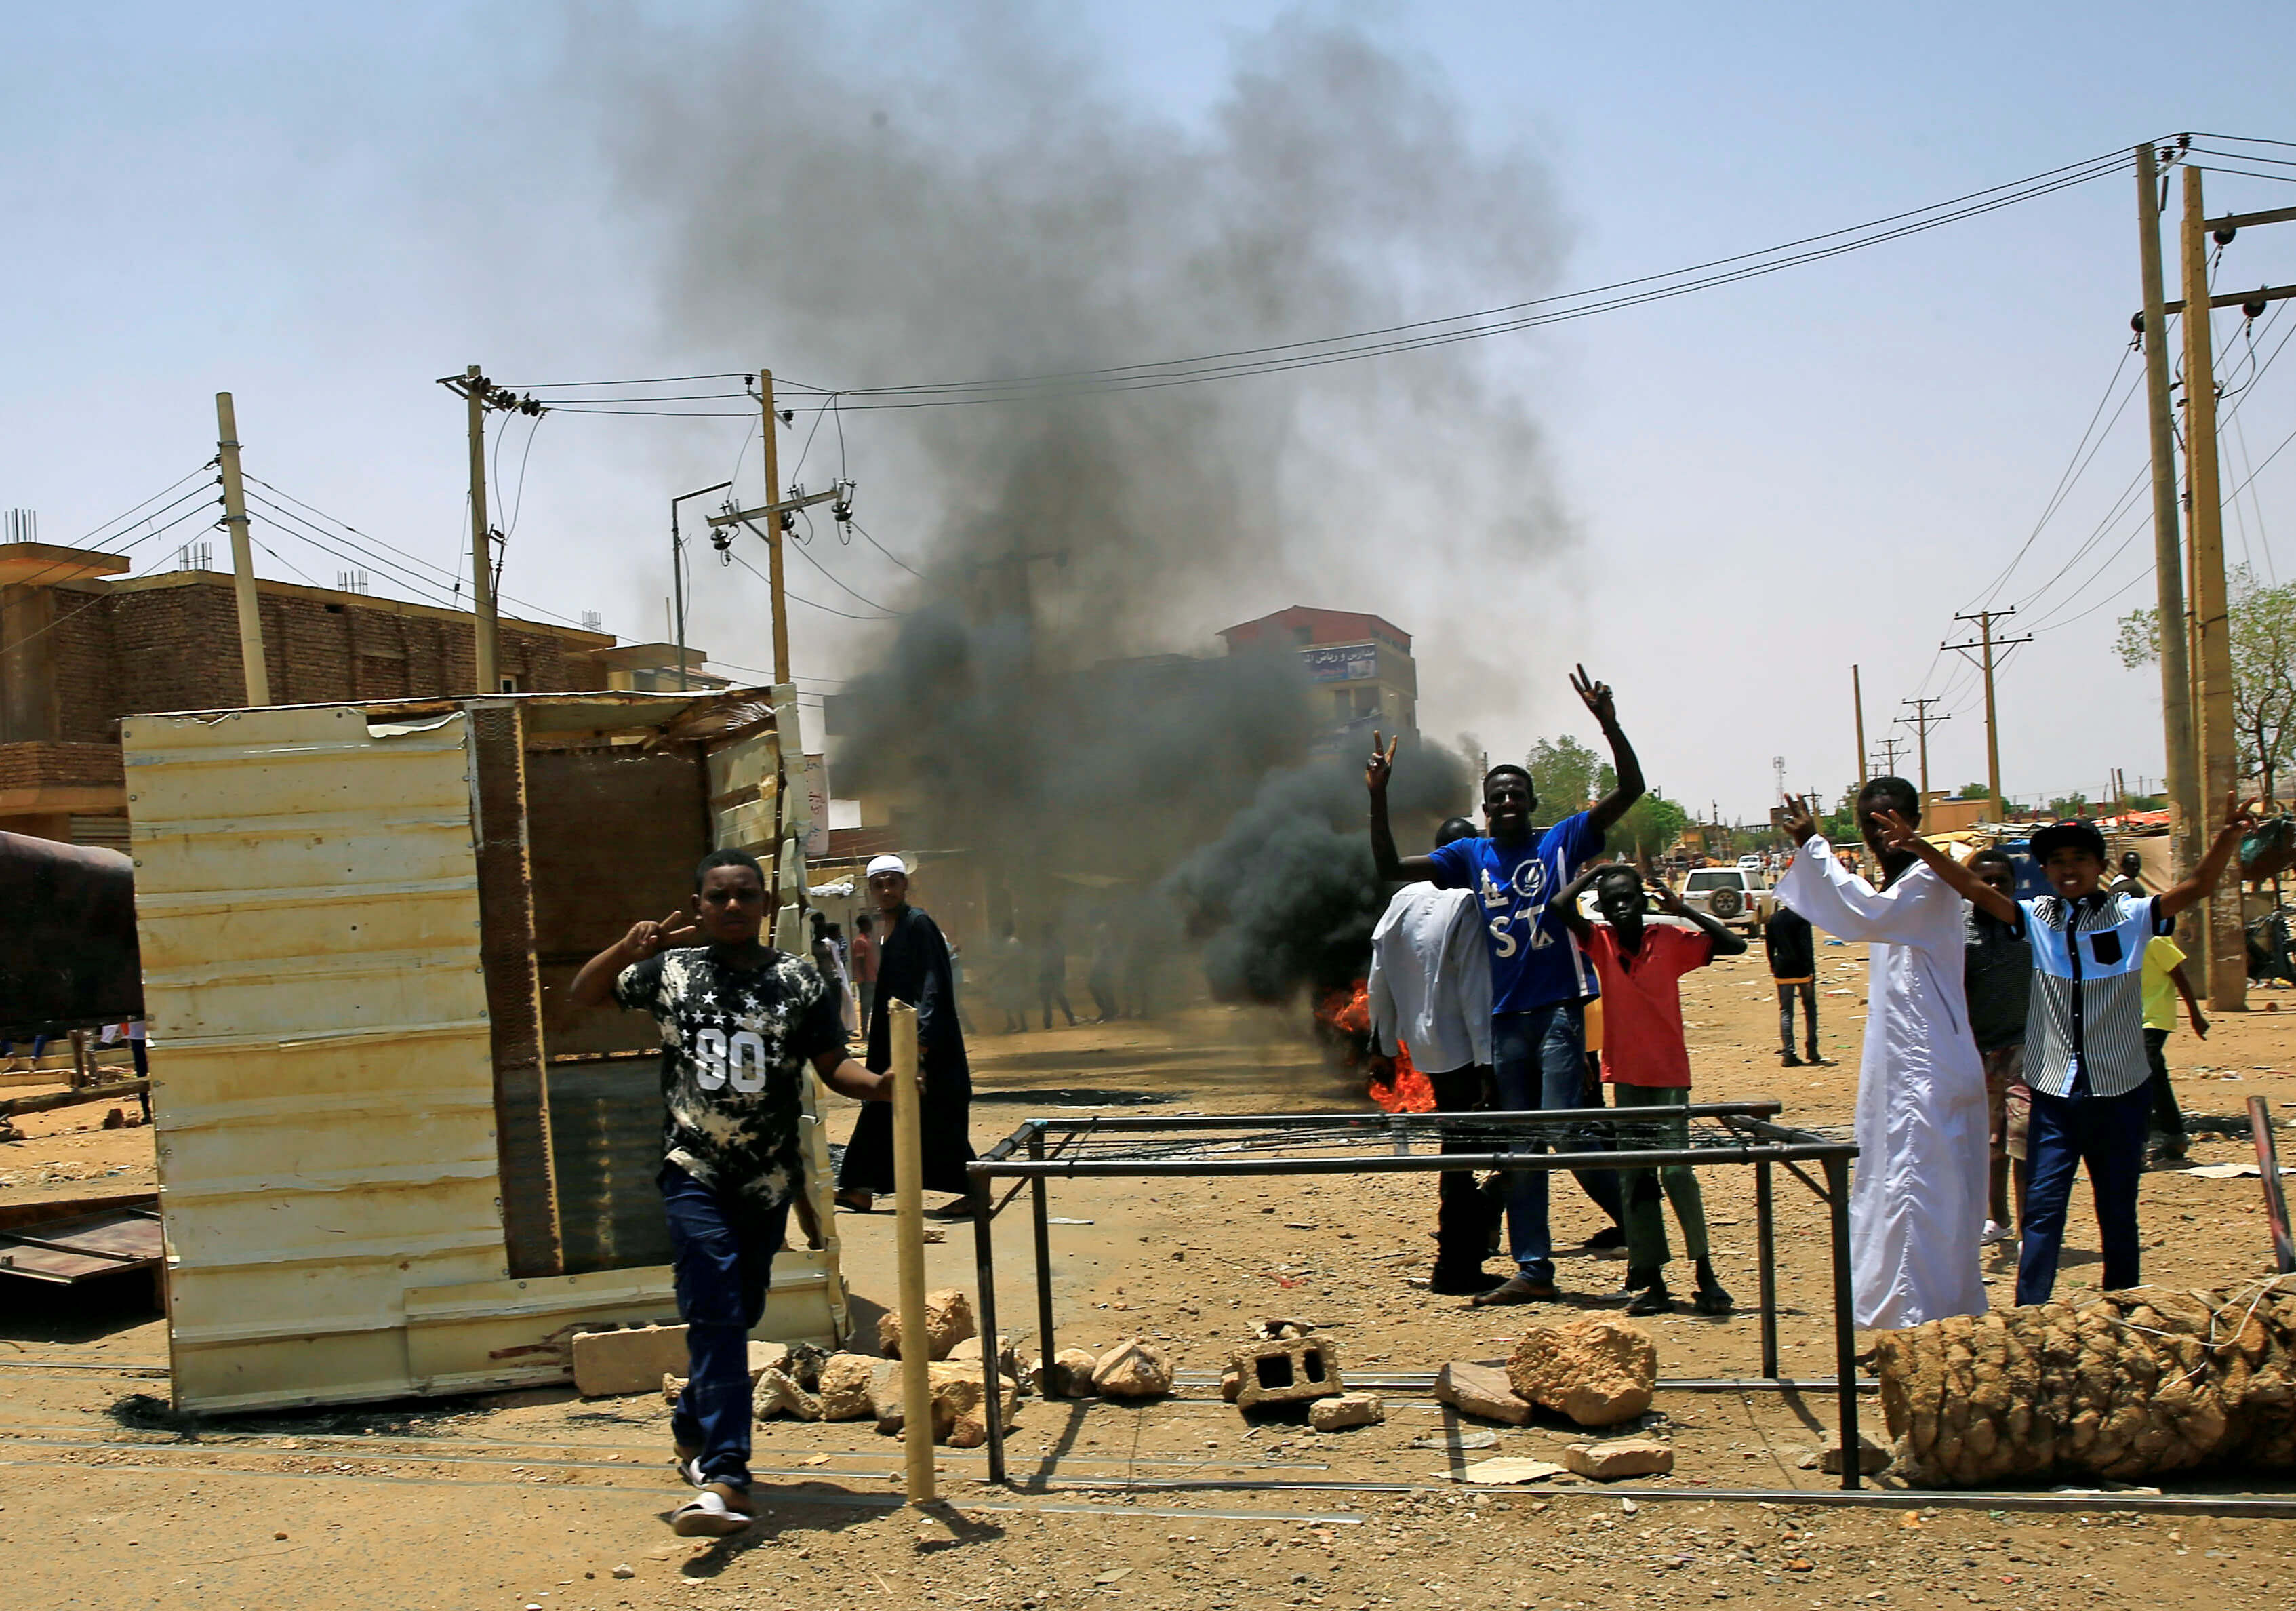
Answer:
(529, 1192)
(309, 908)
(72, 1247)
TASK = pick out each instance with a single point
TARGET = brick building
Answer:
(1361, 665)
(78, 650)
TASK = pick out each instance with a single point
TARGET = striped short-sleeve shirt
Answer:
(2085, 1022)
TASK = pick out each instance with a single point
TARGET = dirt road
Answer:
(535, 1499)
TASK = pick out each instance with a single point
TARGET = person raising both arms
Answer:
(739, 1022)
(1538, 976)
(2085, 1053)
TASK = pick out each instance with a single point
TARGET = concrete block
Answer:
(609, 1364)
(1348, 1409)
(1289, 1371)
(1614, 1458)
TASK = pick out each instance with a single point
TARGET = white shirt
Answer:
(1430, 979)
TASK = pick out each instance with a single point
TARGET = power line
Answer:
(797, 598)
(1237, 362)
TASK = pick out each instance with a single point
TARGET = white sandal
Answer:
(706, 1515)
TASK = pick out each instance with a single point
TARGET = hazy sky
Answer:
(322, 210)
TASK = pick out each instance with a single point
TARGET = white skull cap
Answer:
(887, 864)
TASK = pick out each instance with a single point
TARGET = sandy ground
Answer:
(535, 1498)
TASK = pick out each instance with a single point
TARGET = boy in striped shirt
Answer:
(2085, 1056)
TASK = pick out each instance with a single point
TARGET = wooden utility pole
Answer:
(482, 568)
(775, 532)
(1889, 748)
(2219, 743)
(1985, 646)
(1922, 721)
(243, 556)
(1858, 699)
(2181, 784)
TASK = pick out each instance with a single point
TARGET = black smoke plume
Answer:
(957, 191)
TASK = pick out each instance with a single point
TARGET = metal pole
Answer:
(256, 673)
(774, 531)
(677, 573)
(2220, 770)
(2275, 1200)
(1845, 1319)
(909, 1240)
(1037, 1195)
(992, 1372)
(1992, 722)
(1766, 1252)
(482, 569)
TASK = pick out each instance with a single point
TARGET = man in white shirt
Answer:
(1430, 991)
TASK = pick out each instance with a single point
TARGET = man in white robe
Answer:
(1917, 1197)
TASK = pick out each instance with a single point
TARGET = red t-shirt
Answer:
(1642, 1001)
(864, 959)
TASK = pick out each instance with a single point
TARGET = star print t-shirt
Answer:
(1534, 960)
(735, 1044)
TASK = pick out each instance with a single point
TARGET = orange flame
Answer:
(1397, 1087)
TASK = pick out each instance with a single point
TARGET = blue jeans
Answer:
(723, 1252)
(1539, 1061)
(2107, 1133)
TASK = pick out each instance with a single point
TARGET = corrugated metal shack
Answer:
(392, 1161)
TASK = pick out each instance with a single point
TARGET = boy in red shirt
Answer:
(1647, 1063)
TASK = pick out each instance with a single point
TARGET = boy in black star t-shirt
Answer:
(739, 1020)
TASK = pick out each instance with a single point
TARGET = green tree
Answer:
(1974, 791)
(1562, 774)
(2263, 671)
(2075, 804)
(1650, 827)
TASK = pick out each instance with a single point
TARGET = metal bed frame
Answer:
(1182, 1145)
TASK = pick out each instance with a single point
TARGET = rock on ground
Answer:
(1615, 1457)
(774, 1391)
(1347, 1410)
(1134, 1369)
(845, 1387)
(1480, 1390)
(949, 1321)
(1068, 1375)
(959, 1415)
(1597, 1371)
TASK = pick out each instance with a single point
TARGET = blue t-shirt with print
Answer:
(1534, 960)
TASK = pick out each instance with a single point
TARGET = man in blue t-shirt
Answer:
(1539, 977)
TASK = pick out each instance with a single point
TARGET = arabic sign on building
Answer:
(1350, 662)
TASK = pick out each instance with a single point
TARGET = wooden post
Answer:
(1858, 699)
(256, 673)
(2219, 745)
(774, 536)
(909, 1238)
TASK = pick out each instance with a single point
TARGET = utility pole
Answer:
(480, 394)
(1889, 748)
(2181, 784)
(1985, 646)
(1922, 721)
(2227, 953)
(243, 556)
(1858, 698)
(776, 533)
(482, 567)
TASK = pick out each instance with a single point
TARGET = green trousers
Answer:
(1645, 1220)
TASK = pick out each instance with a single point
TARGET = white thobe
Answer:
(1430, 979)
(1917, 1204)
